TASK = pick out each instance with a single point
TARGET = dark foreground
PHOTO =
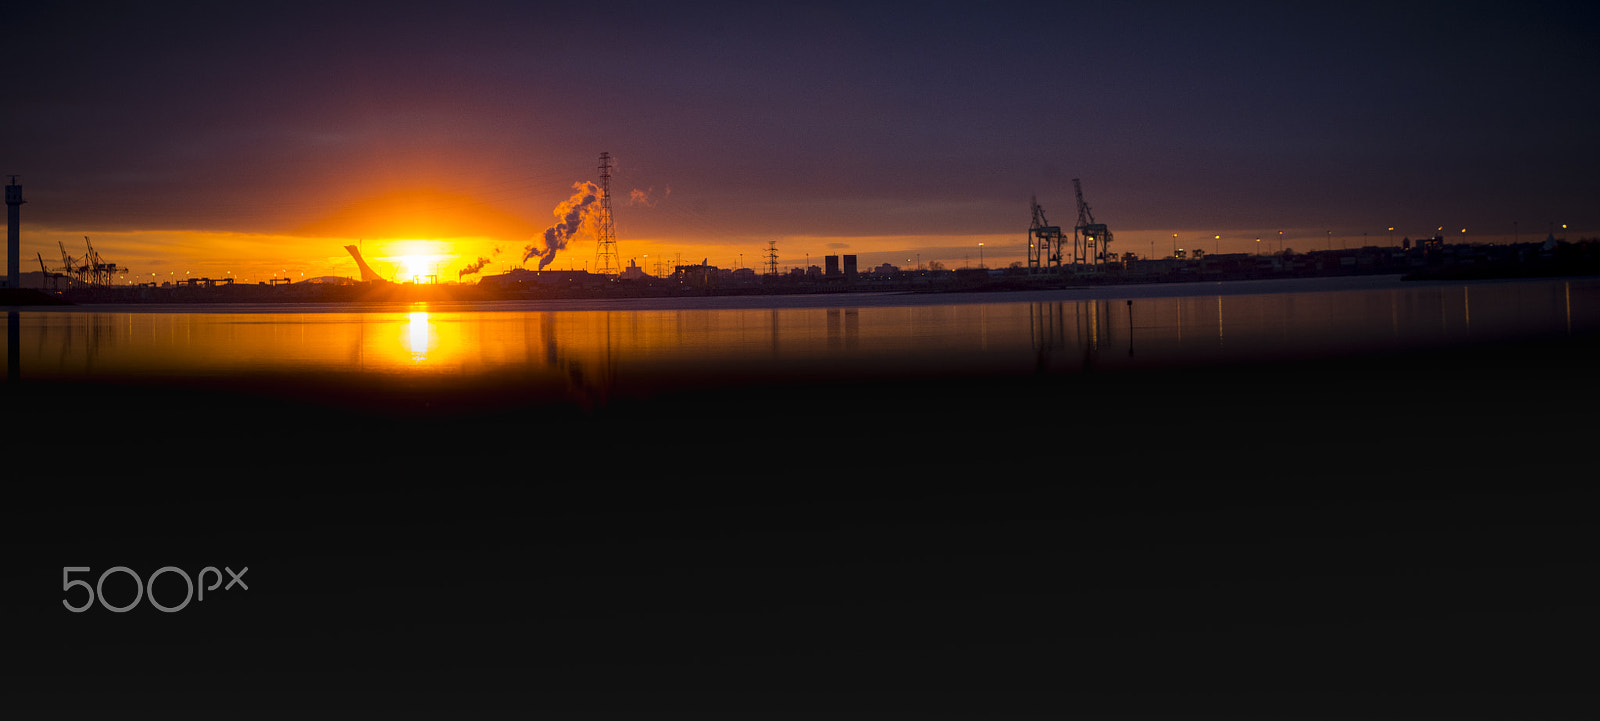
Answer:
(1393, 537)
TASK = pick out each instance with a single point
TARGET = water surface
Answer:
(607, 348)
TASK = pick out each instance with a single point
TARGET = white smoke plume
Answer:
(570, 216)
(473, 268)
(647, 198)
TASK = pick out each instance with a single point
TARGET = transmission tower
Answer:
(772, 258)
(606, 262)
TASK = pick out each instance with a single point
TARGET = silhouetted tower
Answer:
(1044, 240)
(606, 262)
(772, 259)
(1090, 240)
(14, 203)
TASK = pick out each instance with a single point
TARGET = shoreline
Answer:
(1449, 263)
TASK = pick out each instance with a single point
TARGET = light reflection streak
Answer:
(1219, 321)
(417, 336)
(1394, 314)
(595, 353)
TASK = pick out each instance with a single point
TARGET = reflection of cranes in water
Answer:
(98, 330)
(1091, 330)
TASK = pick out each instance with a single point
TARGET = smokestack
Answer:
(14, 203)
(570, 216)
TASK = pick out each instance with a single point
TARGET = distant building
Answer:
(522, 278)
(699, 276)
(831, 262)
(633, 271)
(850, 267)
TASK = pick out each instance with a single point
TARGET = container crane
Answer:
(1044, 240)
(1090, 240)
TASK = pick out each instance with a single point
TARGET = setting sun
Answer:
(418, 258)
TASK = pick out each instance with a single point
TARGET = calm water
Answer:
(599, 349)
(969, 504)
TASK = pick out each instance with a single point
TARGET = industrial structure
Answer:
(1044, 241)
(772, 259)
(90, 270)
(606, 262)
(1091, 241)
(368, 275)
(14, 203)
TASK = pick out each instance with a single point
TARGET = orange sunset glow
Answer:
(633, 360)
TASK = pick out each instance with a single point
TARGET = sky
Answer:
(257, 140)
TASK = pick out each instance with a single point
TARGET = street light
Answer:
(980, 256)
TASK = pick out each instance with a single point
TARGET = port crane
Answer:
(1090, 240)
(1044, 240)
(50, 279)
(96, 270)
(90, 270)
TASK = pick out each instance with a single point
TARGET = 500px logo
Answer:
(143, 587)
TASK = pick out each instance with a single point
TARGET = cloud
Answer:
(648, 198)
(418, 214)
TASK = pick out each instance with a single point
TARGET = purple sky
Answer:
(908, 124)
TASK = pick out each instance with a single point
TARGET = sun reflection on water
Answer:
(605, 353)
(418, 337)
